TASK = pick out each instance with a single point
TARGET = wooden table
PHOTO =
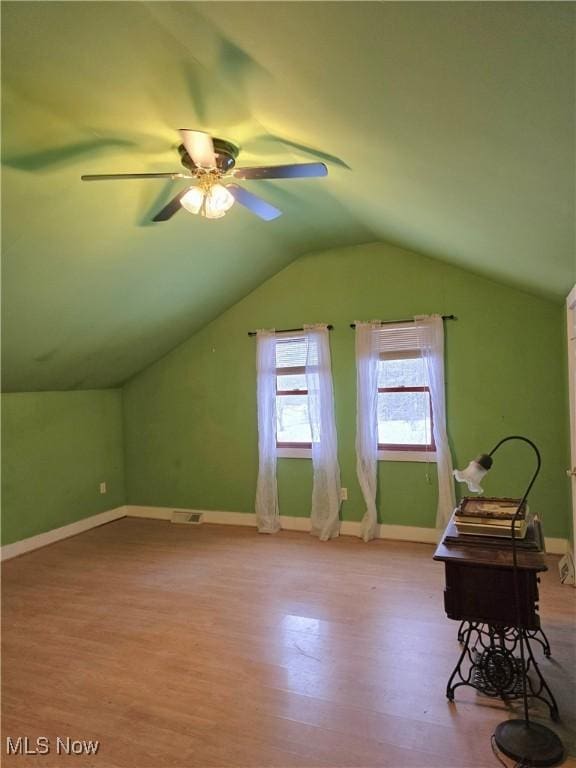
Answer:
(480, 593)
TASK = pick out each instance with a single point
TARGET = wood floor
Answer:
(188, 646)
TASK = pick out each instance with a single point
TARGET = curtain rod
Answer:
(407, 320)
(287, 330)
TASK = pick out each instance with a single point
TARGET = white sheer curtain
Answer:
(431, 340)
(267, 511)
(367, 422)
(324, 517)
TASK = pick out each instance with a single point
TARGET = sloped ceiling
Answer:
(447, 128)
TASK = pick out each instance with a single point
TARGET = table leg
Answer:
(488, 664)
(533, 634)
(465, 654)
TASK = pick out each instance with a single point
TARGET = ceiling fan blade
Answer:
(171, 208)
(200, 147)
(114, 176)
(294, 171)
(254, 203)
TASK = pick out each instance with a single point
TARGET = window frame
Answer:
(407, 451)
(292, 450)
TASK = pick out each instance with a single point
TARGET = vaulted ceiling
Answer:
(447, 128)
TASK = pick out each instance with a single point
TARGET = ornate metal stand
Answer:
(488, 664)
(532, 634)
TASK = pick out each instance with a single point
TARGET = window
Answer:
(292, 419)
(405, 425)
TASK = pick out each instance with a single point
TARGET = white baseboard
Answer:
(556, 546)
(394, 532)
(348, 528)
(209, 515)
(154, 513)
(64, 532)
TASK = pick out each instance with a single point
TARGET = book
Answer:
(533, 540)
(489, 508)
(501, 522)
(493, 530)
(489, 526)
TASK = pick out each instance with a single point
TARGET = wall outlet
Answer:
(103, 488)
(343, 494)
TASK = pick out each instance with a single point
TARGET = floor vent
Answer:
(191, 518)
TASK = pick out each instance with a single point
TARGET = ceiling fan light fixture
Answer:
(192, 200)
(209, 200)
(207, 161)
(217, 202)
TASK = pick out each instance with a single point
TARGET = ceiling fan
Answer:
(210, 161)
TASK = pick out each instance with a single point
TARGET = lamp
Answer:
(192, 200)
(531, 744)
(474, 472)
(209, 199)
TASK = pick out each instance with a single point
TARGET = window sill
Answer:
(423, 456)
(306, 453)
(294, 453)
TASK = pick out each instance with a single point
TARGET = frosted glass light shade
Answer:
(212, 204)
(472, 476)
(217, 202)
(192, 200)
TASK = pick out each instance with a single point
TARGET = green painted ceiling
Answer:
(447, 127)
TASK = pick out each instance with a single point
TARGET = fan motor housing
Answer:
(226, 154)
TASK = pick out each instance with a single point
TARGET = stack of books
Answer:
(488, 516)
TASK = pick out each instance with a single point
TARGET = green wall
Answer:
(190, 419)
(56, 449)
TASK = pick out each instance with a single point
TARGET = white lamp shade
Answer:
(472, 476)
(192, 200)
(217, 202)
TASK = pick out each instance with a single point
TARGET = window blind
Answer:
(398, 340)
(292, 351)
